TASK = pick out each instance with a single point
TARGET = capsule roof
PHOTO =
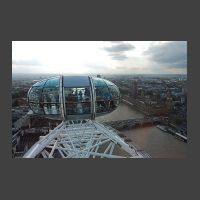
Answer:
(72, 97)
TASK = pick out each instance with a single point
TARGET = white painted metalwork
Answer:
(79, 136)
(82, 139)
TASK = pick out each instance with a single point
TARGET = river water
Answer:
(122, 112)
(155, 142)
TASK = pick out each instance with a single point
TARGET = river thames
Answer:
(156, 143)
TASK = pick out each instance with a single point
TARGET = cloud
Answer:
(171, 54)
(116, 51)
(121, 47)
(25, 62)
(118, 56)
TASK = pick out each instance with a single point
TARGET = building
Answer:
(134, 89)
(76, 101)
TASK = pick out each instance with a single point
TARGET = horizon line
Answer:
(104, 73)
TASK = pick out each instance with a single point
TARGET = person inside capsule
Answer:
(44, 96)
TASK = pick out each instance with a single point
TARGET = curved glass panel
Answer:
(51, 95)
(102, 106)
(102, 93)
(106, 92)
(44, 96)
(37, 108)
(54, 82)
(40, 83)
(99, 82)
(114, 92)
(108, 82)
(35, 94)
(51, 109)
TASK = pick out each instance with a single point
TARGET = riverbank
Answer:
(123, 112)
(130, 123)
(155, 142)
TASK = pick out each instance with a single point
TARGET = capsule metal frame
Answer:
(62, 97)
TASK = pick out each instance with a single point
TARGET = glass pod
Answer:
(73, 97)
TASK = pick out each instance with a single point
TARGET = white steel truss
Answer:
(82, 139)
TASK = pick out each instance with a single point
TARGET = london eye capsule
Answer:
(73, 97)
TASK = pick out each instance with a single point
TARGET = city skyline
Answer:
(151, 113)
(104, 57)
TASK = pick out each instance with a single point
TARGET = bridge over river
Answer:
(154, 141)
(133, 123)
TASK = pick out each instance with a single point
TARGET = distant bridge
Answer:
(133, 123)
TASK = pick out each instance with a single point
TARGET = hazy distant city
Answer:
(151, 77)
(142, 96)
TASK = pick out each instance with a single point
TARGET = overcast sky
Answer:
(100, 57)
